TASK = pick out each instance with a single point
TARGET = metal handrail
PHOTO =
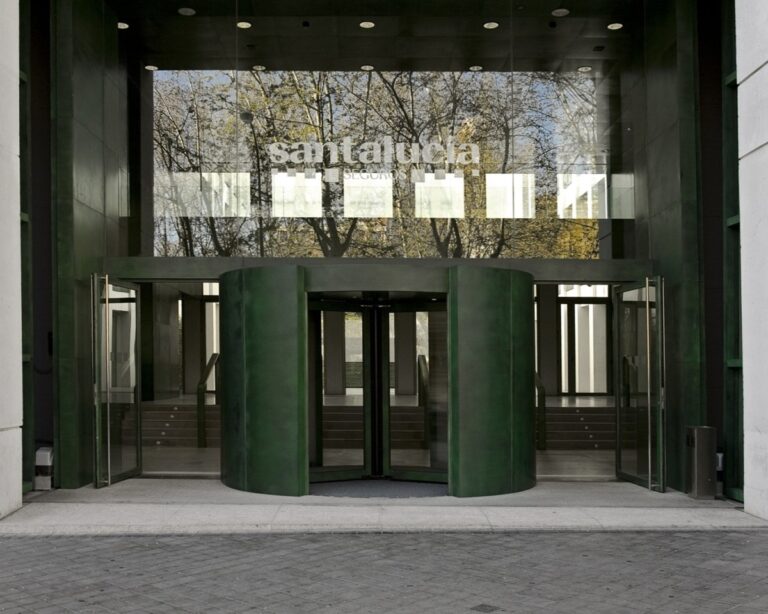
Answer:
(202, 385)
(541, 414)
(422, 382)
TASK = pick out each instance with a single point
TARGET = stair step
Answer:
(581, 445)
(184, 442)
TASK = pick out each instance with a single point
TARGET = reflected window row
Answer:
(300, 194)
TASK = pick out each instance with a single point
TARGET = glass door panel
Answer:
(640, 378)
(338, 420)
(117, 422)
(378, 389)
(418, 395)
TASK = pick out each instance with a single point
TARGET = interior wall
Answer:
(10, 257)
(193, 341)
(166, 341)
(89, 197)
(549, 339)
(752, 77)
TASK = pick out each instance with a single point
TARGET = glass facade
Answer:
(302, 150)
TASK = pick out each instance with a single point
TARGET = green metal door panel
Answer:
(264, 365)
(232, 367)
(522, 379)
(490, 436)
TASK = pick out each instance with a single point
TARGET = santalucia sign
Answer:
(385, 152)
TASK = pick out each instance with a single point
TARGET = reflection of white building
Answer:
(582, 196)
(296, 195)
(510, 195)
(206, 194)
(588, 196)
(440, 198)
(368, 195)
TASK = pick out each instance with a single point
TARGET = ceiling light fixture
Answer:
(476, 68)
(584, 69)
(366, 67)
(560, 13)
(491, 25)
(243, 25)
(151, 67)
(121, 25)
(615, 26)
(367, 25)
(186, 11)
(259, 67)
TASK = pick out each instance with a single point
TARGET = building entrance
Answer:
(378, 386)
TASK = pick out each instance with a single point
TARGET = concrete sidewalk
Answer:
(143, 506)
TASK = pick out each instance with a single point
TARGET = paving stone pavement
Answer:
(428, 572)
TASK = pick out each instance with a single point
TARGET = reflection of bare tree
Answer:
(522, 122)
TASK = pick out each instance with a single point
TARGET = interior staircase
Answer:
(171, 425)
(344, 427)
(580, 428)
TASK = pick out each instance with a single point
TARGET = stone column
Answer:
(10, 263)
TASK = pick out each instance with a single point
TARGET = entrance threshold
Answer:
(390, 489)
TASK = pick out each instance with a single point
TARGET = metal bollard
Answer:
(701, 442)
(43, 468)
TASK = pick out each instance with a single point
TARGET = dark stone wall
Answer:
(90, 196)
(669, 210)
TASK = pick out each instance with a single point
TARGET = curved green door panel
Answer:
(263, 371)
(491, 437)
(522, 380)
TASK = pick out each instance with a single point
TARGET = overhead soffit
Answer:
(409, 34)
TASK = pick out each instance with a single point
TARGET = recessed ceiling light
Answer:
(367, 25)
(259, 67)
(150, 67)
(615, 26)
(121, 25)
(186, 11)
(560, 12)
(584, 69)
(476, 68)
(491, 25)
(243, 25)
(366, 67)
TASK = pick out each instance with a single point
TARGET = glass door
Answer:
(639, 321)
(415, 391)
(339, 420)
(117, 426)
(378, 389)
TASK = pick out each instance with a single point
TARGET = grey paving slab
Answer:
(647, 571)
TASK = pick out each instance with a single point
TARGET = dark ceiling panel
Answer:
(409, 34)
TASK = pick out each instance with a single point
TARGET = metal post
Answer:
(648, 377)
